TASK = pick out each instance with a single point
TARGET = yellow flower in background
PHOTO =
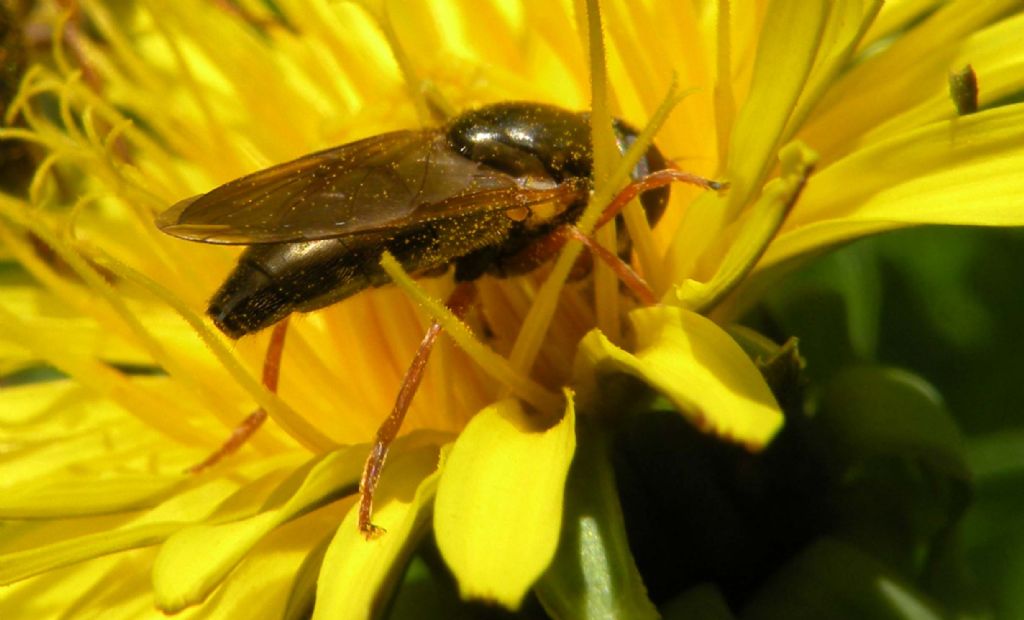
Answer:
(829, 120)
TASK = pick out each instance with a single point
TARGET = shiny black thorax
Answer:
(530, 142)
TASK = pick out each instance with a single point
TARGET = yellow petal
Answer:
(847, 22)
(42, 559)
(194, 561)
(114, 588)
(786, 53)
(358, 574)
(756, 229)
(788, 84)
(499, 501)
(50, 545)
(127, 392)
(801, 46)
(692, 361)
(911, 69)
(54, 427)
(67, 497)
(45, 312)
(273, 565)
(965, 171)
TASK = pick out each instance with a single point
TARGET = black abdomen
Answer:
(273, 280)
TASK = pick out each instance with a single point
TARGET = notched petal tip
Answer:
(697, 365)
(499, 504)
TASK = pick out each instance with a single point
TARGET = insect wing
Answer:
(390, 181)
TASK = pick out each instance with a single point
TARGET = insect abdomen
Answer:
(273, 280)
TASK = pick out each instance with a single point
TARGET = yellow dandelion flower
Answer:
(830, 121)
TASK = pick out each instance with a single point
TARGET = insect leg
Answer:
(621, 269)
(658, 178)
(458, 303)
(245, 430)
(624, 272)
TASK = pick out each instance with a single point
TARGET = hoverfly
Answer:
(485, 193)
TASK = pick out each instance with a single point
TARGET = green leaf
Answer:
(870, 410)
(833, 580)
(993, 539)
(997, 455)
(593, 575)
(901, 474)
(704, 601)
(833, 305)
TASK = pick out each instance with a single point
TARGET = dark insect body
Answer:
(963, 90)
(495, 191)
(478, 193)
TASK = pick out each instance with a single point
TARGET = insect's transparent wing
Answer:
(390, 181)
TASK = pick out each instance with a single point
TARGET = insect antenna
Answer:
(653, 180)
(622, 270)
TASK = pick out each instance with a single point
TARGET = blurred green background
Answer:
(947, 305)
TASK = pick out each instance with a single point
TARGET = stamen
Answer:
(60, 25)
(118, 44)
(241, 433)
(537, 320)
(24, 93)
(285, 417)
(490, 362)
(110, 140)
(758, 227)
(431, 105)
(45, 84)
(68, 230)
(725, 99)
(39, 176)
(141, 201)
(606, 286)
(97, 285)
(27, 135)
(70, 126)
(88, 117)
